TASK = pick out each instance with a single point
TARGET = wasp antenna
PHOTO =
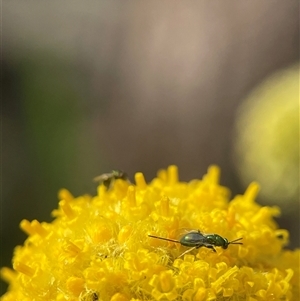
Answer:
(234, 242)
(162, 238)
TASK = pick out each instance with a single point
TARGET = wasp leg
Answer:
(187, 251)
(210, 247)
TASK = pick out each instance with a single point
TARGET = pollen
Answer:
(98, 248)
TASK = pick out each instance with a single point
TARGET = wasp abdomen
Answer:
(192, 239)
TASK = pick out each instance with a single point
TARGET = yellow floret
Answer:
(97, 247)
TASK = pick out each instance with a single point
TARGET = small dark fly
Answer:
(107, 179)
(195, 240)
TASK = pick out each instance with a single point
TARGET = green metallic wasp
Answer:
(195, 240)
(108, 179)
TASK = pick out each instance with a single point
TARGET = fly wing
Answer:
(103, 177)
(120, 174)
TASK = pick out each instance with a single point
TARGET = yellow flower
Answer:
(267, 138)
(98, 248)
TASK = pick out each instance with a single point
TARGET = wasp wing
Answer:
(179, 233)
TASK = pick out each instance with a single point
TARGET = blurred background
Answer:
(89, 86)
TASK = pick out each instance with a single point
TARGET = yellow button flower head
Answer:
(98, 248)
(267, 138)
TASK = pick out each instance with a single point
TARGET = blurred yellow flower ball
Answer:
(267, 142)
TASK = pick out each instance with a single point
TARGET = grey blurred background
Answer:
(89, 86)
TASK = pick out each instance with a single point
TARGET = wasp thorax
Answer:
(217, 240)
